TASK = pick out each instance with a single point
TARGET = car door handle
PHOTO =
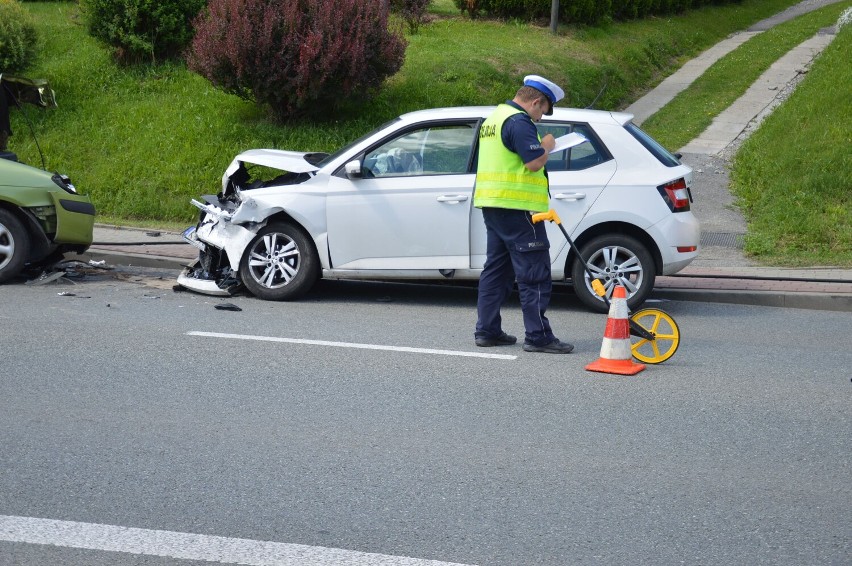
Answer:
(452, 198)
(570, 196)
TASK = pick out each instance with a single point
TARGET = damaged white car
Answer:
(397, 204)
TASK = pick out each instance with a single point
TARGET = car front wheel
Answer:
(614, 259)
(280, 263)
(14, 245)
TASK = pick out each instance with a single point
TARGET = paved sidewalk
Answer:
(672, 85)
(721, 273)
(731, 122)
(141, 247)
(810, 288)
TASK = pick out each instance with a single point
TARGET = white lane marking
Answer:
(190, 546)
(352, 345)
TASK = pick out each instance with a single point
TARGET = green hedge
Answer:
(142, 30)
(580, 11)
(18, 37)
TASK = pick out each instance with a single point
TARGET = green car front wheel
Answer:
(14, 245)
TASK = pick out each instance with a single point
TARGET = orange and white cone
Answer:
(616, 355)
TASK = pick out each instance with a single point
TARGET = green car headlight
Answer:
(64, 183)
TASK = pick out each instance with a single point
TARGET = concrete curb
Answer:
(807, 301)
(778, 297)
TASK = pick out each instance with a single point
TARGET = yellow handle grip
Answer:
(549, 215)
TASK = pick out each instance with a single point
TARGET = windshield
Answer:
(345, 148)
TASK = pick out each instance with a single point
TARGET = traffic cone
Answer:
(616, 356)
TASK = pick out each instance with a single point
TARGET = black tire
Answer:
(614, 259)
(14, 245)
(280, 263)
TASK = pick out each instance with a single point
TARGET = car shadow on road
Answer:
(440, 293)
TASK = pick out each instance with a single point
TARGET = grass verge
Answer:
(793, 177)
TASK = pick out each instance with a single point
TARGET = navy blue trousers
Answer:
(518, 250)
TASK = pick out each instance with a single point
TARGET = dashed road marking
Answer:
(352, 345)
(93, 536)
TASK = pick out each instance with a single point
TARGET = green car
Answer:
(41, 214)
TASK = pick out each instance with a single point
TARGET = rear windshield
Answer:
(663, 155)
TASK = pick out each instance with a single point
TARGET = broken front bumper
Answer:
(210, 274)
(221, 244)
(203, 286)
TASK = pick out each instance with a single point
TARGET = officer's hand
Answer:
(548, 142)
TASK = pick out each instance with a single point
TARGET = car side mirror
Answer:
(353, 170)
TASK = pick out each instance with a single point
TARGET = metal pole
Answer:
(554, 16)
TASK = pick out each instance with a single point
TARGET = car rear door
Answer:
(577, 176)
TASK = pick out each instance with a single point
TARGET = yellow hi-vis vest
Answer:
(502, 180)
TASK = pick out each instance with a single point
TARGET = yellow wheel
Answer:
(666, 336)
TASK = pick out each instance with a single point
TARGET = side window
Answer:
(555, 161)
(433, 150)
(586, 154)
(447, 150)
(583, 156)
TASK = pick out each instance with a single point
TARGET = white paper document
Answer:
(567, 141)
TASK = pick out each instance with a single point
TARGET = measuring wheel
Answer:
(664, 340)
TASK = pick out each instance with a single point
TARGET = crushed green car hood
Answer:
(30, 91)
(23, 185)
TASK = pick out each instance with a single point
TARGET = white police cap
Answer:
(551, 90)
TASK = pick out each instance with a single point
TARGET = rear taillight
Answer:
(676, 195)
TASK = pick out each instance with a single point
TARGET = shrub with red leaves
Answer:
(301, 57)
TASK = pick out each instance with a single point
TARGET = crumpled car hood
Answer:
(32, 91)
(290, 161)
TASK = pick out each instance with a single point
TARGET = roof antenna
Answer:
(603, 88)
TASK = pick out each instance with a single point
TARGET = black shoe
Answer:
(502, 340)
(555, 347)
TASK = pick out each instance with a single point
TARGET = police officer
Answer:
(511, 184)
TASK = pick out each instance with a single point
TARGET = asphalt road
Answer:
(735, 451)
